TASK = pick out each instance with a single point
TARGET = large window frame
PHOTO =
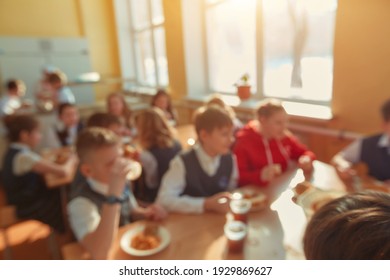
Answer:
(127, 34)
(260, 67)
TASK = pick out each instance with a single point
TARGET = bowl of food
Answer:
(257, 198)
(145, 239)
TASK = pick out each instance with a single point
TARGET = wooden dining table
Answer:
(274, 232)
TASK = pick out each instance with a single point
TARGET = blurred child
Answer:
(102, 202)
(264, 147)
(23, 172)
(198, 180)
(159, 146)
(352, 227)
(216, 99)
(65, 130)
(60, 92)
(11, 102)
(117, 106)
(163, 101)
(105, 120)
(374, 151)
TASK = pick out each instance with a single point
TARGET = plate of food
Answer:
(313, 200)
(145, 239)
(256, 197)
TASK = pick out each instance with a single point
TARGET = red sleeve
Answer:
(298, 149)
(247, 176)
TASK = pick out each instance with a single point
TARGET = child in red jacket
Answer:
(264, 147)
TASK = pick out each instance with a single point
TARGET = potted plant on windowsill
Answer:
(243, 87)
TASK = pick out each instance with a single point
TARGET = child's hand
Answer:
(155, 212)
(305, 163)
(218, 203)
(269, 172)
(118, 173)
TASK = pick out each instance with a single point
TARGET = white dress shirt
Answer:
(174, 183)
(352, 153)
(9, 104)
(84, 216)
(25, 160)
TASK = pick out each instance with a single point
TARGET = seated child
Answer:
(198, 179)
(117, 106)
(61, 93)
(352, 227)
(11, 101)
(216, 99)
(264, 147)
(159, 146)
(374, 151)
(65, 130)
(23, 172)
(102, 202)
(106, 120)
(163, 101)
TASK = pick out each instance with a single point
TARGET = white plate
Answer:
(128, 236)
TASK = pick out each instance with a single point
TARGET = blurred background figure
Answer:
(162, 100)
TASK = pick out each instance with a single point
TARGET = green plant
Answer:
(243, 81)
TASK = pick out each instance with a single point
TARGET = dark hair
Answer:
(15, 124)
(268, 107)
(104, 120)
(63, 106)
(211, 117)
(13, 84)
(93, 138)
(353, 227)
(160, 93)
(386, 111)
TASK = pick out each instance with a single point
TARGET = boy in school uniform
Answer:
(65, 130)
(373, 150)
(198, 180)
(102, 202)
(12, 101)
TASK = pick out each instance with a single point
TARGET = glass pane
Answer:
(231, 44)
(298, 48)
(146, 71)
(162, 64)
(157, 12)
(140, 13)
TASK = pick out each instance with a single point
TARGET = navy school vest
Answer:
(377, 158)
(198, 182)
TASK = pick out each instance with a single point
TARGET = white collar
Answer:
(203, 156)
(20, 146)
(98, 186)
(384, 141)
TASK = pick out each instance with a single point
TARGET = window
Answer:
(141, 34)
(286, 47)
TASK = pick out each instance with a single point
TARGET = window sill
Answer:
(294, 109)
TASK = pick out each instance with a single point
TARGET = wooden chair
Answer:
(8, 219)
(74, 251)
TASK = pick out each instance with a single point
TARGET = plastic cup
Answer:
(240, 208)
(235, 232)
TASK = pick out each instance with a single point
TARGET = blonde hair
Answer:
(154, 130)
(93, 138)
(216, 99)
(268, 107)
